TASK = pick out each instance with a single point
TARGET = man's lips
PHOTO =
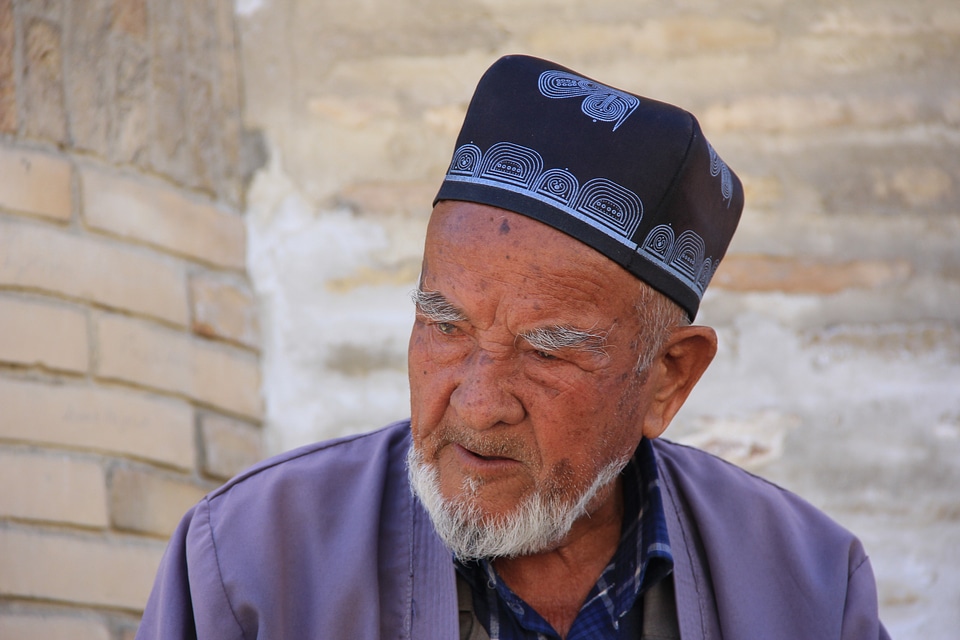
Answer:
(471, 458)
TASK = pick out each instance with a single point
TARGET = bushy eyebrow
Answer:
(550, 339)
(435, 307)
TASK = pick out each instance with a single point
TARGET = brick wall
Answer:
(129, 347)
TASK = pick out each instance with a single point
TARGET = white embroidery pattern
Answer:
(681, 256)
(719, 168)
(601, 203)
(600, 102)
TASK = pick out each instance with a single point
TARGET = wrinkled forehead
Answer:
(467, 239)
(495, 233)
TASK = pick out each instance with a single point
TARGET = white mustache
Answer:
(499, 446)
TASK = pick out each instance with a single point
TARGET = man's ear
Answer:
(675, 371)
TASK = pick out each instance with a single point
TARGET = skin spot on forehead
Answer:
(504, 228)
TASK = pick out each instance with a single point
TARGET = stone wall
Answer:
(129, 348)
(838, 309)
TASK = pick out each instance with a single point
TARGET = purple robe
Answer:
(327, 541)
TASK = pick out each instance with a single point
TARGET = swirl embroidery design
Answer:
(600, 102)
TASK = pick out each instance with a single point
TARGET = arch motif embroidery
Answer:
(719, 168)
(609, 203)
(603, 204)
(512, 163)
(683, 256)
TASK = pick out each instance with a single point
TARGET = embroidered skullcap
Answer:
(631, 177)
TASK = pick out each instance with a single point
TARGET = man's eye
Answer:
(446, 328)
(544, 355)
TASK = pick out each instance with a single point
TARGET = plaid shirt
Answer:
(641, 560)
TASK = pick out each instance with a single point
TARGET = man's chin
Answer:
(536, 524)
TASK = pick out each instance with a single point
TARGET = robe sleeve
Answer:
(188, 601)
(860, 618)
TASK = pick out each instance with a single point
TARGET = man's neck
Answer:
(556, 583)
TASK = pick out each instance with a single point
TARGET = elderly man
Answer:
(528, 495)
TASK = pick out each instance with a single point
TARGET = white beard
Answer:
(537, 525)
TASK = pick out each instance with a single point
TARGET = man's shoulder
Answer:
(712, 478)
(337, 461)
(708, 469)
(726, 500)
(297, 540)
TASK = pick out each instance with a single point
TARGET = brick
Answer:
(52, 488)
(154, 356)
(951, 109)
(44, 110)
(148, 502)
(762, 191)
(908, 341)
(131, 128)
(167, 73)
(704, 34)
(390, 29)
(130, 17)
(8, 87)
(892, 111)
(51, 9)
(389, 197)
(83, 570)
(229, 73)
(110, 421)
(875, 23)
(229, 446)
(777, 114)
(199, 29)
(150, 212)
(94, 269)
(400, 274)
(750, 441)
(203, 133)
(44, 334)
(224, 307)
(35, 183)
(920, 186)
(88, 83)
(805, 276)
(168, 146)
(21, 626)
(683, 35)
(236, 159)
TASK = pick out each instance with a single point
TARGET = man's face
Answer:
(522, 362)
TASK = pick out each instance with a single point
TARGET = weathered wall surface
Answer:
(838, 308)
(129, 351)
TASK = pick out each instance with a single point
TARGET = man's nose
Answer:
(484, 396)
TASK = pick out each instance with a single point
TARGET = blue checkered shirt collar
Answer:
(642, 559)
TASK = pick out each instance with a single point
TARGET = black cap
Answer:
(631, 177)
